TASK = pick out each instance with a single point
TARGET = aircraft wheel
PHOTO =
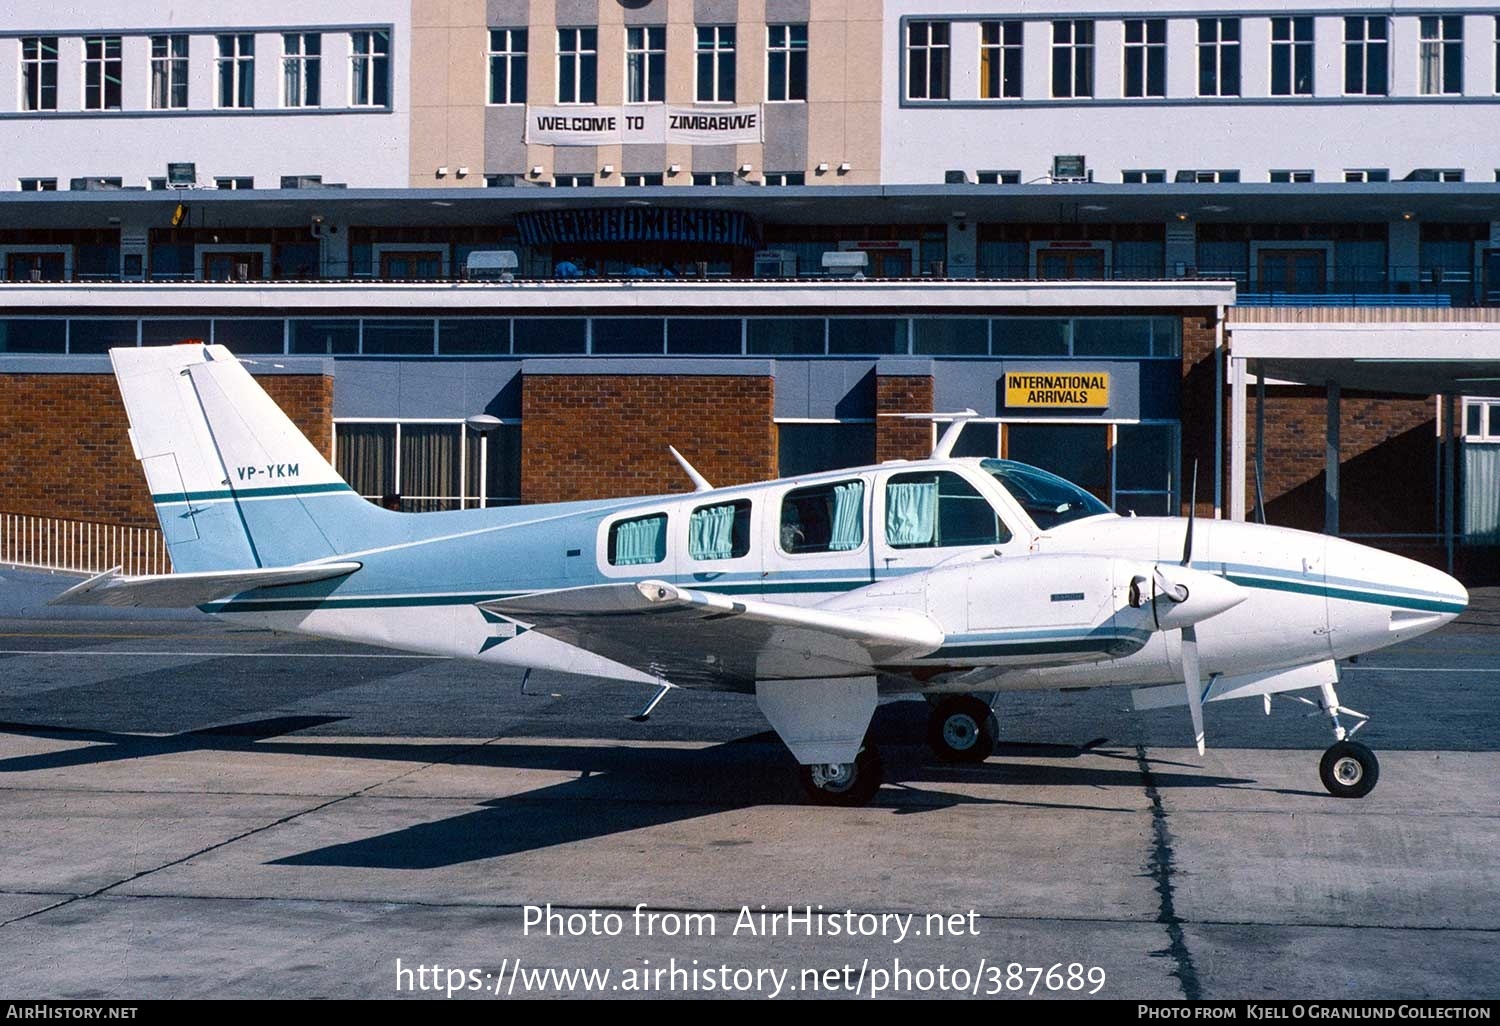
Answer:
(846, 784)
(1349, 770)
(962, 729)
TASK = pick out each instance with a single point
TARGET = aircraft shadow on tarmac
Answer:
(614, 788)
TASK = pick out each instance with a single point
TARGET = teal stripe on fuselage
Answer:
(177, 498)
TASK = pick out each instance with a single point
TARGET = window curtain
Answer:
(1481, 493)
(911, 512)
(641, 541)
(711, 533)
(367, 458)
(848, 530)
(430, 468)
(1432, 68)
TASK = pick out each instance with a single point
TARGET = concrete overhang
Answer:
(771, 295)
(1085, 203)
(1414, 357)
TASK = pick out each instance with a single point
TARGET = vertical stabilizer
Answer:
(235, 483)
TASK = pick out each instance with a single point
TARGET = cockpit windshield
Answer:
(1047, 499)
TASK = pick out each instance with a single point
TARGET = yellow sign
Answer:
(1073, 390)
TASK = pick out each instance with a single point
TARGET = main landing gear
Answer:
(1348, 769)
(845, 783)
(962, 729)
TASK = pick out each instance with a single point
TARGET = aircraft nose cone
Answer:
(1419, 596)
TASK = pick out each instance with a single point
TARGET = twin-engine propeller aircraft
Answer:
(821, 594)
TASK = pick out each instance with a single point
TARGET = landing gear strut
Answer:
(961, 728)
(1348, 768)
(846, 783)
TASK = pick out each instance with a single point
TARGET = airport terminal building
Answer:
(500, 251)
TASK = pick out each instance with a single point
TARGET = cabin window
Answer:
(720, 532)
(937, 510)
(824, 518)
(638, 541)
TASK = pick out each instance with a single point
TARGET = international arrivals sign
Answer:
(1074, 390)
(609, 126)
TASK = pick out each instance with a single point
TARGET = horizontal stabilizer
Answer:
(702, 638)
(183, 591)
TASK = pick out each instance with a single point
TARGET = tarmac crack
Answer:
(1161, 868)
(243, 834)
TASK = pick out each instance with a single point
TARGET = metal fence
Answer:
(51, 543)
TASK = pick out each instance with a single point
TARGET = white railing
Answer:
(51, 543)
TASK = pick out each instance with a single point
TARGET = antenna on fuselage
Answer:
(944, 448)
(700, 483)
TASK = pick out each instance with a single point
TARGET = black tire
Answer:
(1349, 770)
(867, 774)
(961, 729)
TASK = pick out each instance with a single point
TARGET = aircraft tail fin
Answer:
(236, 485)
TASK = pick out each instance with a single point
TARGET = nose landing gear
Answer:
(962, 729)
(1348, 769)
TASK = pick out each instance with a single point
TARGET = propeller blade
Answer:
(1187, 539)
(1193, 682)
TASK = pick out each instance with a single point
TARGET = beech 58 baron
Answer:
(954, 579)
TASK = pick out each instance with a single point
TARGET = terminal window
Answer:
(1072, 59)
(786, 62)
(102, 66)
(1442, 55)
(169, 72)
(39, 73)
(1000, 57)
(645, 64)
(507, 65)
(577, 65)
(927, 60)
(1146, 57)
(1366, 56)
(716, 64)
(370, 66)
(236, 70)
(1218, 56)
(1292, 56)
(301, 69)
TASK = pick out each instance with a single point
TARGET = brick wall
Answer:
(1198, 369)
(1384, 440)
(597, 436)
(67, 453)
(895, 437)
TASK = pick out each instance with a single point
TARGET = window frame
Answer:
(826, 486)
(306, 66)
(1152, 54)
(239, 65)
(1073, 56)
(169, 71)
(1219, 55)
(934, 55)
(96, 95)
(1448, 52)
(1364, 46)
(1296, 52)
(42, 67)
(720, 58)
(511, 62)
(577, 65)
(793, 55)
(1002, 61)
(611, 535)
(646, 51)
(370, 68)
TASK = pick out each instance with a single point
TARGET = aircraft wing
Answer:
(709, 640)
(183, 591)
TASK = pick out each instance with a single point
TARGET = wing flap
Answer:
(183, 591)
(704, 639)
